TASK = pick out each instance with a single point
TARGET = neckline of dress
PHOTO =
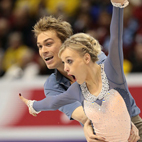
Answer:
(105, 87)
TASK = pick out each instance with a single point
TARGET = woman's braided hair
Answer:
(83, 43)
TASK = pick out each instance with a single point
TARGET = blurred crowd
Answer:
(18, 51)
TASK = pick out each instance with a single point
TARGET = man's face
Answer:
(49, 45)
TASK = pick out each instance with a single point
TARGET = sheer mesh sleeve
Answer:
(114, 63)
(55, 102)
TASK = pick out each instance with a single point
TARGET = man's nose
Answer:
(44, 49)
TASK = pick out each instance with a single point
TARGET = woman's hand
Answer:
(27, 102)
(118, 1)
(134, 134)
(88, 132)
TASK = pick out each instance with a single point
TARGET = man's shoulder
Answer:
(54, 84)
(51, 81)
(102, 57)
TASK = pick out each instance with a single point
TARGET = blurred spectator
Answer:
(14, 51)
(127, 65)
(103, 29)
(6, 7)
(68, 6)
(131, 26)
(1, 57)
(4, 32)
(83, 21)
(26, 68)
(23, 23)
(136, 56)
(17, 18)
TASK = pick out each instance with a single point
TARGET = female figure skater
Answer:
(103, 105)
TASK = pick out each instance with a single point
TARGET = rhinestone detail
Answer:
(105, 87)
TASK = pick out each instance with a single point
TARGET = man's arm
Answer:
(79, 115)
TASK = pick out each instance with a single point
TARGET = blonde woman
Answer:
(103, 105)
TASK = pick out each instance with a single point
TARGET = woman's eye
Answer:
(69, 61)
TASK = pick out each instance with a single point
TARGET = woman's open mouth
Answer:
(73, 77)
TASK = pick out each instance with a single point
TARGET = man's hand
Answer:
(88, 132)
(134, 134)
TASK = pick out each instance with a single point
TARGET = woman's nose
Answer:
(66, 69)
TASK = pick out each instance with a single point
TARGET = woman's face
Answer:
(49, 45)
(74, 64)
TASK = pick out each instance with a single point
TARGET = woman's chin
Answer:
(79, 82)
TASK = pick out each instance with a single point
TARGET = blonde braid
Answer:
(83, 43)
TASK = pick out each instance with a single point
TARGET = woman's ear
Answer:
(87, 58)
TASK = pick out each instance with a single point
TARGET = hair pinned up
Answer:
(83, 43)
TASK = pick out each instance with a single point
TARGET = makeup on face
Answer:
(73, 64)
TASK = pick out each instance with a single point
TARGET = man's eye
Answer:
(48, 44)
(39, 46)
(69, 61)
(63, 62)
